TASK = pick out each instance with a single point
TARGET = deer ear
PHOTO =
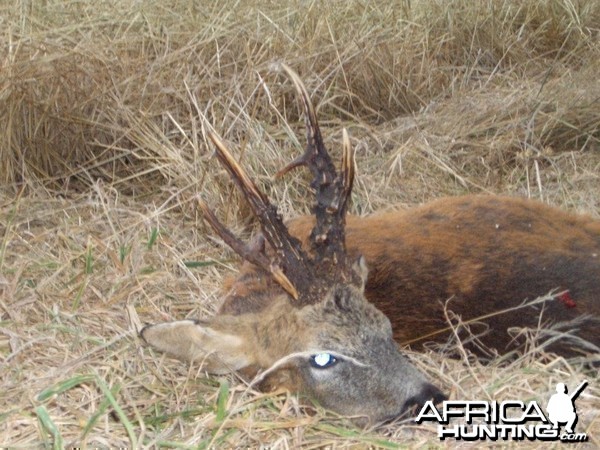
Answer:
(219, 350)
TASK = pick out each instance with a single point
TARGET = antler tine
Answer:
(315, 157)
(249, 254)
(287, 248)
(348, 171)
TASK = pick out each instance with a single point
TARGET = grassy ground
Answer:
(103, 154)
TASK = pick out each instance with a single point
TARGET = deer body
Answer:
(485, 254)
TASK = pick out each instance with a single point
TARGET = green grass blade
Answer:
(101, 410)
(89, 260)
(152, 239)
(64, 386)
(222, 401)
(118, 410)
(195, 264)
(42, 414)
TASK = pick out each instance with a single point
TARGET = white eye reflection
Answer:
(322, 360)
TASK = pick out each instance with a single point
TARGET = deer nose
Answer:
(428, 392)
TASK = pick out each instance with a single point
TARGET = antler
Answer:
(304, 278)
(328, 237)
(288, 249)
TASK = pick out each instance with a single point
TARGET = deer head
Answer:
(317, 334)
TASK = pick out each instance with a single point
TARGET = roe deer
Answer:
(314, 332)
(297, 315)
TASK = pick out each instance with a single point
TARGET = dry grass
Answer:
(102, 154)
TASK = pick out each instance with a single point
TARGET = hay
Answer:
(103, 155)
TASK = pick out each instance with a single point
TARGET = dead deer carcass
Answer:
(311, 330)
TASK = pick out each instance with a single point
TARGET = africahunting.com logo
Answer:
(508, 420)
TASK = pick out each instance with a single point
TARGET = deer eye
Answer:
(322, 360)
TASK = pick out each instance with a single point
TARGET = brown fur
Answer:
(484, 253)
